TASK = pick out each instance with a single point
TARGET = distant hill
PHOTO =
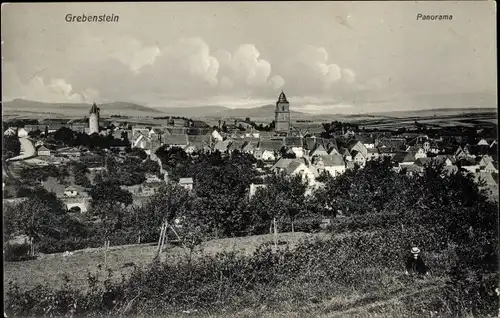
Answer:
(256, 112)
(195, 111)
(78, 109)
(24, 108)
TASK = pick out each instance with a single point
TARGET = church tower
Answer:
(282, 115)
(94, 119)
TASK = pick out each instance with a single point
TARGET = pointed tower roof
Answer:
(94, 109)
(282, 98)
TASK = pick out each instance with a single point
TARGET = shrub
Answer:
(17, 252)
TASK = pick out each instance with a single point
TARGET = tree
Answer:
(109, 193)
(11, 147)
(64, 135)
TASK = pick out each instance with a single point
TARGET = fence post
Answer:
(275, 233)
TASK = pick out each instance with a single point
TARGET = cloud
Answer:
(247, 69)
(310, 71)
(193, 56)
(54, 91)
(131, 52)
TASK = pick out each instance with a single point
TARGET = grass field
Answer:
(386, 299)
(52, 268)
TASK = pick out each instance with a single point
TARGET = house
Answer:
(396, 144)
(70, 191)
(10, 132)
(296, 144)
(299, 167)
(358, 158)
(237, 145)
(344, 152)
(186, 183)
(404, 158)
(357, 146)
(318, 150)
(450, 169)
(217, 136)
(460, 153)
(268, 150)
(485, 160)
(249, 146)
(310, 143)
(387, 152)
(422, 162)
(419, 152)
(483, 142)
(446, 160)
(414, 169)
(373, 154)
(366, 140)
(491, 167)
(222, 146)
(333, 164)
(43, 151)
(180, 141)
(22, 133)
(331, 146)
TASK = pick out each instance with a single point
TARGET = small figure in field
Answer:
(415, 264)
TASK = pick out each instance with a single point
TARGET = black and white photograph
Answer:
(250, 159)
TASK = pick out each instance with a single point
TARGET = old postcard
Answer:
(250, 159)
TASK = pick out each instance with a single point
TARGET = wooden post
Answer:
(275, 234)
(161, 235)
(106, 245)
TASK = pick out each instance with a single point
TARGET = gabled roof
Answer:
(483, 142)
(309, 143)
(199, 138)
(250, 145)
(330, 144)
(372, 150)
(176, 140)
(294, 142)
(352, 143)
(364, 139)
(402, 157)
(332, 160)
(271, 145)
(344, 152)
(294, 164)
(396, 143)
(318, 149)
(422, 161)
(222, 146)
(354, 153)
(43, 148)
(237, 144)
(492, 164)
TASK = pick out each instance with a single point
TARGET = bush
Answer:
(17, 252)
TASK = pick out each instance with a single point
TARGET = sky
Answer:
(328, 57)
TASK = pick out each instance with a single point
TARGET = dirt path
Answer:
(27, 148)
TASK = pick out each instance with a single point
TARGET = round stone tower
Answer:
(94, 119)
